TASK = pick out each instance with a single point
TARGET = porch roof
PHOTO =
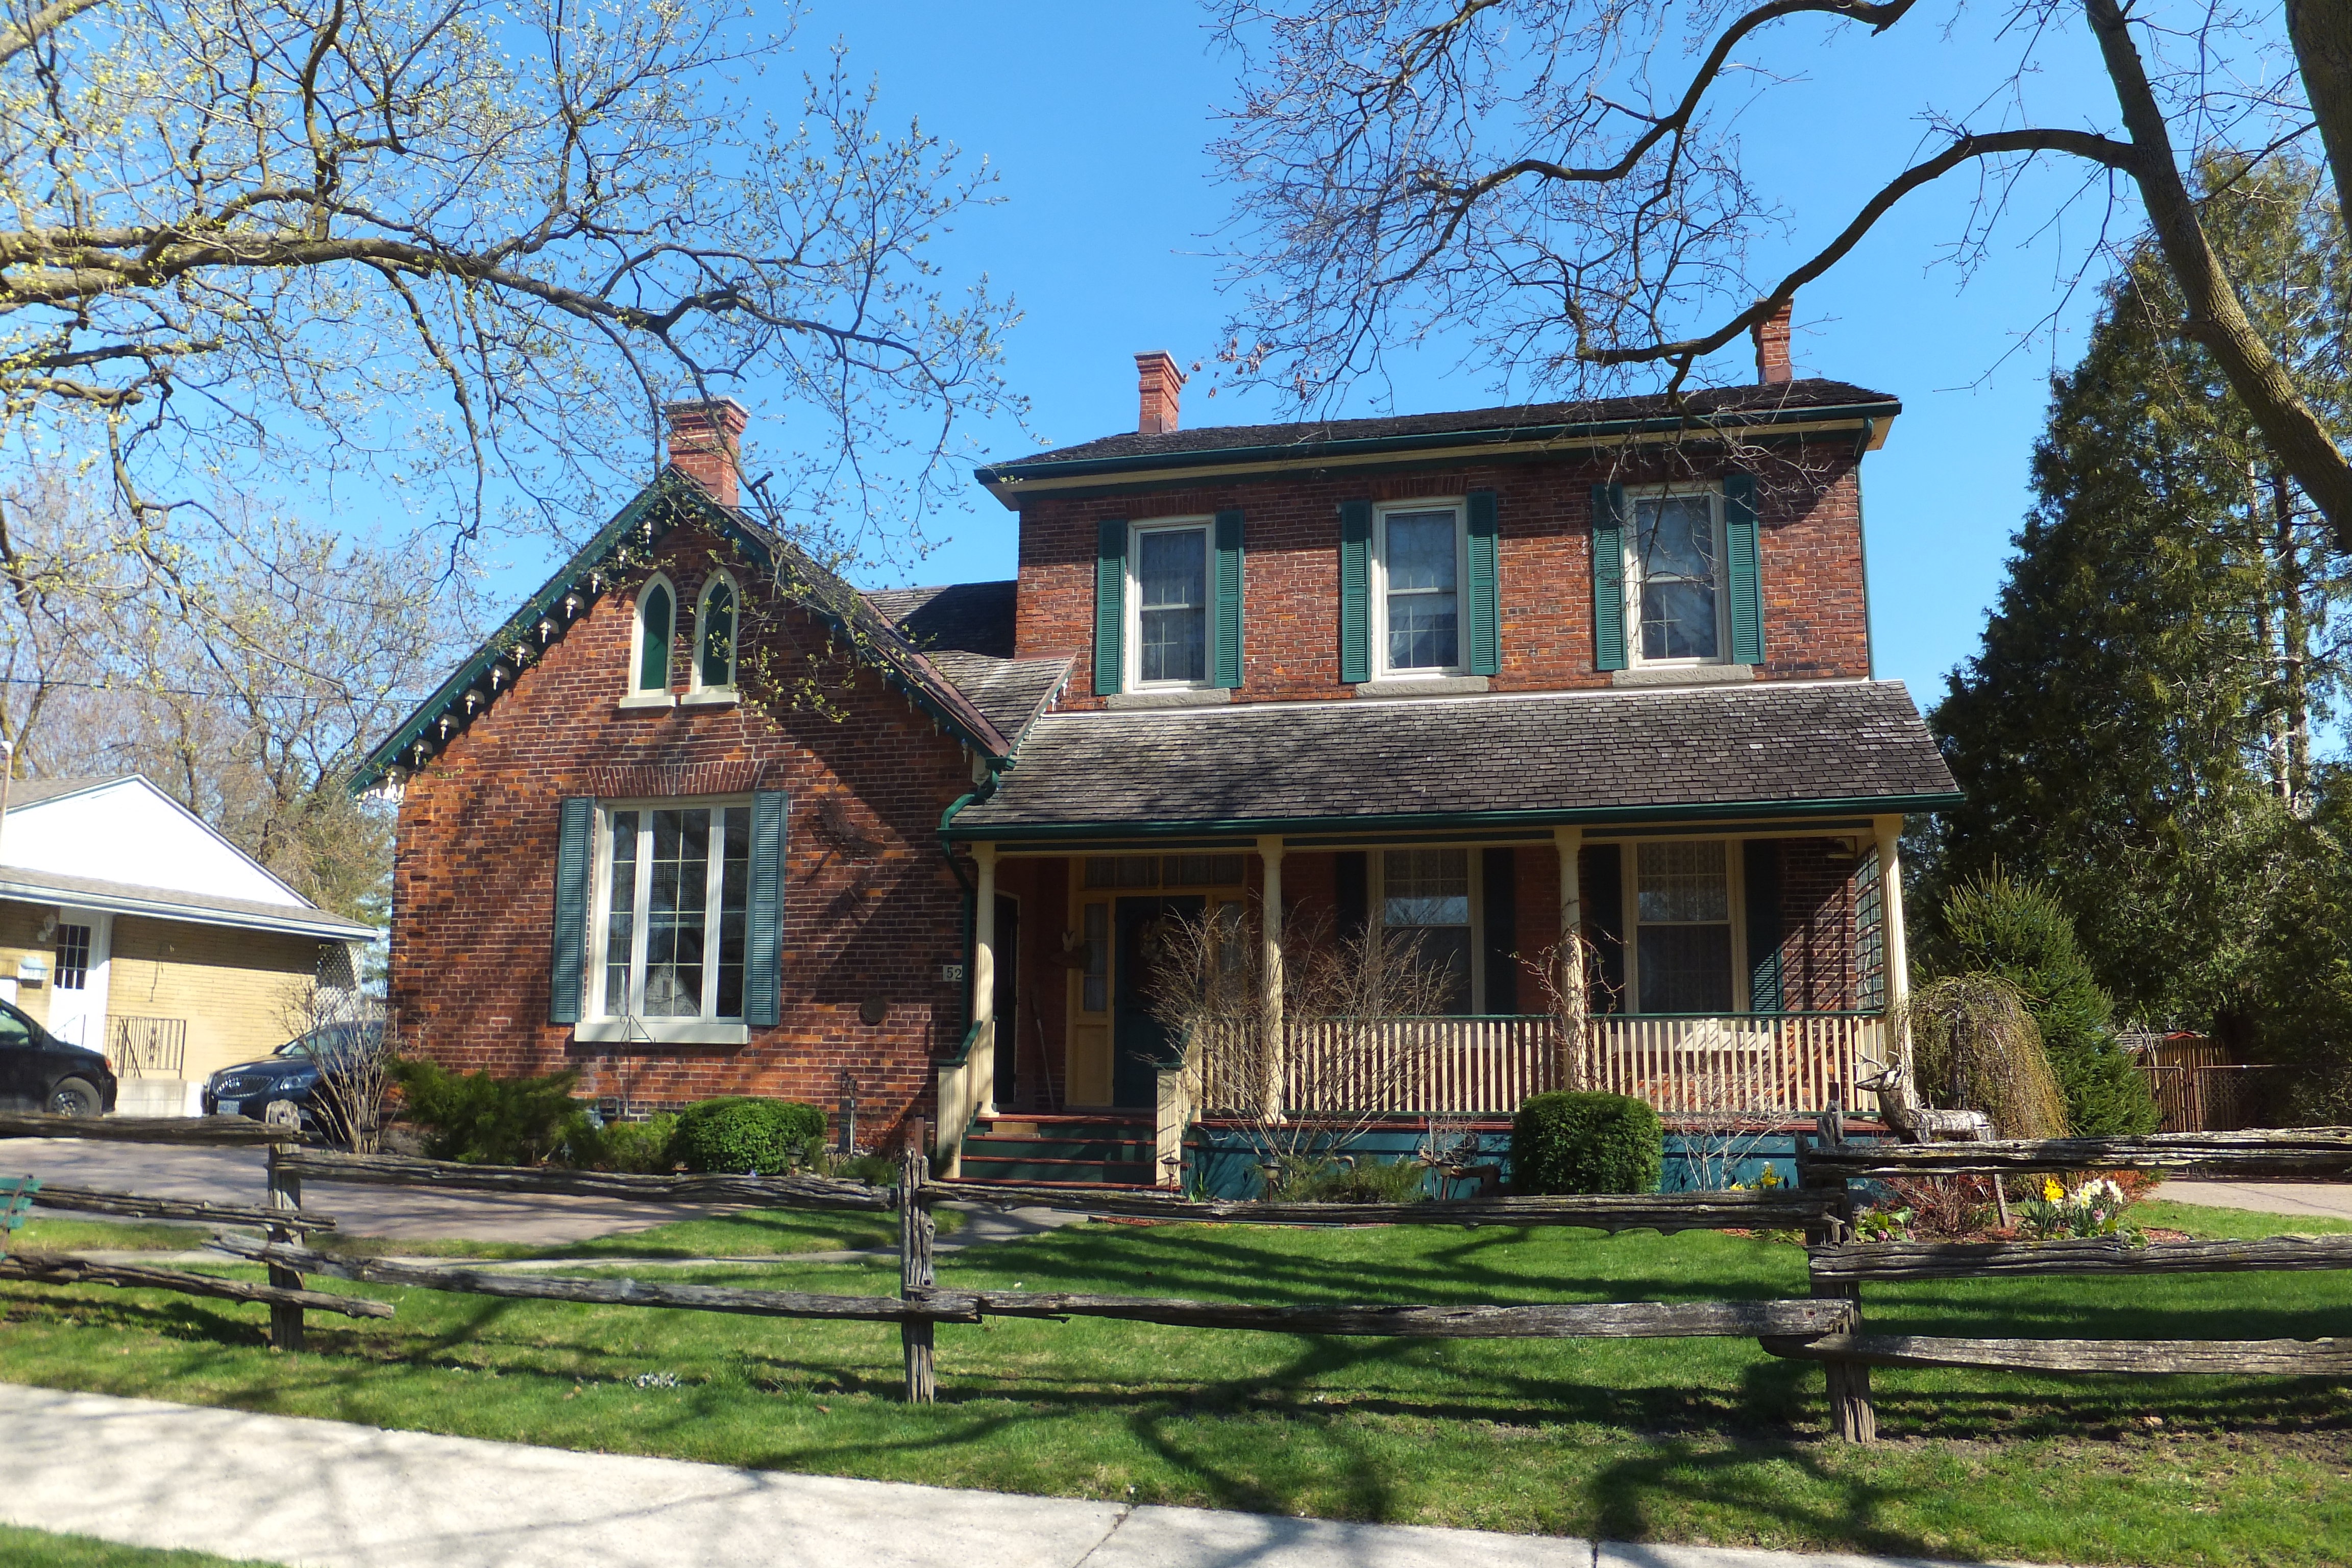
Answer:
(1770, 748)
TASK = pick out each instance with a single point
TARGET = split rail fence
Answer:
(1826, 1327)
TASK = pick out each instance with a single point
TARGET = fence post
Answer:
(285, 1192)
(915, 1230)
(1852, 1417)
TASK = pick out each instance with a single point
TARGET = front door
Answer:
(1140, 1043)
(78, 980)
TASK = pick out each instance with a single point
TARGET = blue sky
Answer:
(1096, 118)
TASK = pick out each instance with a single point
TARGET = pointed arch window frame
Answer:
(637, 673)
(720, 578)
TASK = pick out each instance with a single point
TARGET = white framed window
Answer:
(1677, 608)
(1171, 633)
(1430, 897)
(1683, 946)
(1419, 569)
(672, 900)
(716, 616)
(652, 636)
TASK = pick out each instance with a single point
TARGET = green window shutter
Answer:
(1110, 606)
(574, 848)
(653, 643)
(1229, 599)
(764, 938)
(1762, 871)
(1355, 591)
(1741, 551)
(1485, 605)
(1609, 577)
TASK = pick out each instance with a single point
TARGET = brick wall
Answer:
(871, 911)
(1816, 620)
(1817, 925)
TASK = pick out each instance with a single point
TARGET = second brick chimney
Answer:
(1771, 335)
(1158, 381)
(706, 444)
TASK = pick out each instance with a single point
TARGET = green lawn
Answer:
(1677, 1441)
(39, 1549)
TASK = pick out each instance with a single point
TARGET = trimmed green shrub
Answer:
(1360, 1181)
(1998, 925)
(1586, 1142)
(735, 1135)
(486, 1121)
(639, 1148)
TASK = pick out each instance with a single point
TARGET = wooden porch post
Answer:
(982, 1067)
(1898, 954)
(1569, 842)
(1269, 852)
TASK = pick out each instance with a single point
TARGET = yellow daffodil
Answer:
(2052, 1190)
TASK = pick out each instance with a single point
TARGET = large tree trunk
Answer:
(2216, 318)
(2321, 32)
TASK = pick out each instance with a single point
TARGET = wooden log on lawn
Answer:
(1605, 1320)
(1785, 1209)
(132, 1205)
(764, 1192)
(1975, 1260)
(604, 1291)
(65, 1268)
(2290, 1155)
(201, 1130)
(2283, 1358)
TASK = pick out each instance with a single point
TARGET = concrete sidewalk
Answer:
(2315, 1199)
(321, 1494)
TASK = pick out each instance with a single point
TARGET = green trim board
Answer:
(1725, 812)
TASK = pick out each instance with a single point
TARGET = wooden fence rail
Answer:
(199, 1129)
(2294, 1154)
(1995, 1260)
(1785, 1208)
(132, 1206)
(66, 1268)
(768, 1192)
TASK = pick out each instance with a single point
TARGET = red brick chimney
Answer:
(706, 444)
(1158, 381)
(1771, 335)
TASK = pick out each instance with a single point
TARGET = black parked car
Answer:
(40, 1072)
(289, 1076)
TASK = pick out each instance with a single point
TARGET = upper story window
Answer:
(1170, 629)
(650, 645)
(714, 636)
(675, 882)
(1418, 569)
(1673, 578)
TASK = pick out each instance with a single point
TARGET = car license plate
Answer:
(228, 1107)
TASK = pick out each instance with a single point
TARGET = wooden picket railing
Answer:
(1765, 1065)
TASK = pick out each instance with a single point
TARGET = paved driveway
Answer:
(2319, 1200)
(237, 1176)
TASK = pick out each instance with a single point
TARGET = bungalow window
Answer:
(656, 620)
(1683, 907)
(73, 958)
(714, 636)
(1673, 562)
(1425, 898)
(1171, 633)
(1418, 561)
(676, 887)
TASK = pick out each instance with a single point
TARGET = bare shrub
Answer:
(1974, 1047)
(351, 1038)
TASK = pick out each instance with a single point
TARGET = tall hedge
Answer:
(740, 1135)
(1995, 924)
(1586, 1142)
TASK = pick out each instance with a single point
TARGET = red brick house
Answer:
(702, 818)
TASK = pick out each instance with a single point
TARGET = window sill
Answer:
(1684, 674)
(649, 701)
(709, 697)
(1177, 697)
(660, 1032)
(1423, 686)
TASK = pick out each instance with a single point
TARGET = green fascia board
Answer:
(1876, 806)
(666, 488)
(1306, 454)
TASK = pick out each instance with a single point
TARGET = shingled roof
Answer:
(1745, 405)
(1854, 746)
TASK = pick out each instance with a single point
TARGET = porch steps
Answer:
(1073, 1150)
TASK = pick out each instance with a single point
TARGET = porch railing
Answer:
(1774, 1065)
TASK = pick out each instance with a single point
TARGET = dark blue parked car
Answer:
(290, 1075)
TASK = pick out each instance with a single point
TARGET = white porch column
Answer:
(1269, 853)
(1569, 842)
(1897, 953)
(983, 984)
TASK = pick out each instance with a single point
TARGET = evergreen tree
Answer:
(1994, 925)
(2135, 736)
